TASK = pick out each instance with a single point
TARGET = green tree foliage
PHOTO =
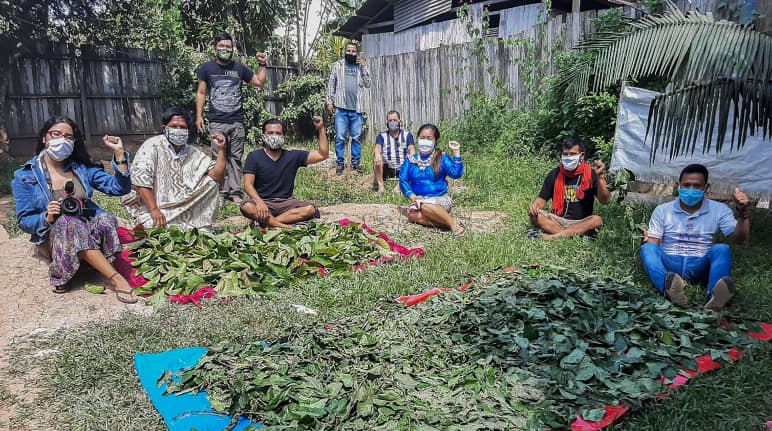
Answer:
(251, 23)
(715, 70)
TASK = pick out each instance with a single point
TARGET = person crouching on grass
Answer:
(424, 181)
(573, 187)
(53, 193)
(269, 178)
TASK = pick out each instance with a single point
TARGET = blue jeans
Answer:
(348, 123)
(708, 269)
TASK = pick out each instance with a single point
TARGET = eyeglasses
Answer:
(60, 134)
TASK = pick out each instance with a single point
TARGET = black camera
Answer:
(72, 205)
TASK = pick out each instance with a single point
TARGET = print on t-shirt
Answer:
(225, 95)
(575, 208)
(224, 83)
(570, 193)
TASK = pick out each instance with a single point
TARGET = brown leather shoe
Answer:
(674, 286)
(722, 293)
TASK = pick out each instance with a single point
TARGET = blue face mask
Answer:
(691, 197)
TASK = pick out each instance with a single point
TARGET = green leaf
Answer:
(593, 415)
(96, 289)
(572, 359)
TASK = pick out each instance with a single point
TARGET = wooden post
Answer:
(85, 123)
(576, 27)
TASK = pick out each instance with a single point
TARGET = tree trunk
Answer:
(299, 28)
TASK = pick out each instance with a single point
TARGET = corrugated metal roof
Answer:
(408, 13)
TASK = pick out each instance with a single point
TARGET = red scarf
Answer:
(559, 191)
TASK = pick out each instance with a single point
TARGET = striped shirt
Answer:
(394, 150)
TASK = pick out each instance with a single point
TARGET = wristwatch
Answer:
(125, 161)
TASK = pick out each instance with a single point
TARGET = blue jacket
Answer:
(31, 193)
(415, 181)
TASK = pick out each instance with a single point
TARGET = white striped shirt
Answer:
(394, 150)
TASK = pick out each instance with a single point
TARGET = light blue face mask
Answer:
(691, 197)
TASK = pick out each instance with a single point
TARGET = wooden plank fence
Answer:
(106, 91)
(103, 90)
(429, 86)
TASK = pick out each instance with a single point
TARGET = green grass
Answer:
(91, 384)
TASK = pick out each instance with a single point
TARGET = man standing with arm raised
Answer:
(221, 79)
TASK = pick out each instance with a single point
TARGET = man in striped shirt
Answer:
(392, 148)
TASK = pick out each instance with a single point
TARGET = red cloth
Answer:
(763, 336)
(411, 300)
(612, 414)
(559, 190)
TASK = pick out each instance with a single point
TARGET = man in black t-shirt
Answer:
(573, 187)
(221, 79)
(269, 178)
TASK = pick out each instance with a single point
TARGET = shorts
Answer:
(279, 206)
(389, 172)
(562, 221)
(444, 201)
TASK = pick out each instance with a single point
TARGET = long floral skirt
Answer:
(70, 235)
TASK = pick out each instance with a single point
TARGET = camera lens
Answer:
(70, 206)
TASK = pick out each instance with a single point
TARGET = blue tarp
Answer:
(181, 412)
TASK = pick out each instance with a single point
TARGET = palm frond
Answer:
(715, 69)
(678, 118)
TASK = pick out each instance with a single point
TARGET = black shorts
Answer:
(389, 172)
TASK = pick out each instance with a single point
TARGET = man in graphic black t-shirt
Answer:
(573, 187)
(221, 79)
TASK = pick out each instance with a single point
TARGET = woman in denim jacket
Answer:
(72, 231)
(424, 182)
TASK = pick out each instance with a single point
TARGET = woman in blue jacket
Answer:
(424, 182)
(70, 232)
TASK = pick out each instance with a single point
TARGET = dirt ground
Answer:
(30, 309)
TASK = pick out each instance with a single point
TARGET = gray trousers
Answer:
(236, 137)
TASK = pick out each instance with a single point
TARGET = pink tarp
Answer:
(705, 363)
(122, 264)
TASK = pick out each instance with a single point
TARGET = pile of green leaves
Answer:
(177, 262)
(521, 351)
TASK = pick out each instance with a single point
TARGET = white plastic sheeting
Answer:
(749, 168)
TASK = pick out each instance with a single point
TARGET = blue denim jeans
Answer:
(348, 123)
(707, 270)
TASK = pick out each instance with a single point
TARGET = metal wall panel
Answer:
(408, 13)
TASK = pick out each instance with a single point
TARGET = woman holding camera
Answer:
(424, 182)
(52, 194)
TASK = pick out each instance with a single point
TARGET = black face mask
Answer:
(351, 58)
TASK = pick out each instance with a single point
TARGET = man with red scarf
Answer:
(573, 187)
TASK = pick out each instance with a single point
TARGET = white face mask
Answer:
(177, 137)
(273, 142)
(425, 146)
(59, 148)
(570, 163)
